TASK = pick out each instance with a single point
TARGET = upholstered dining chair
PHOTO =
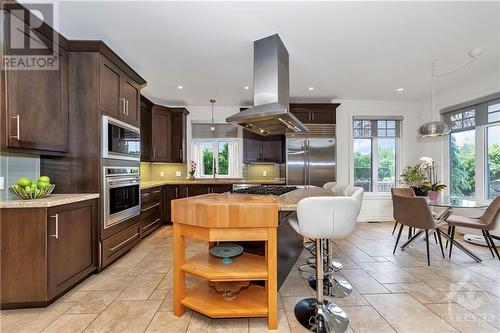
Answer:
(485, 223)
(405, 192)
(415, 212)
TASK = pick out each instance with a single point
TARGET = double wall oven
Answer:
(121, 176)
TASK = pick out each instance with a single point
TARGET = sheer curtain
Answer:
(197, 157)
(235, 169)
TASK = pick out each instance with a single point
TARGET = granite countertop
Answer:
(149, 184)
(289, 201)
(49, 201)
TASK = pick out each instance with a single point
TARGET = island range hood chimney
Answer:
(271, 112)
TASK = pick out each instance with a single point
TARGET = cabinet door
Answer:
(273, 148)
(252, 147)
(222, 188)
(177, 137)
(130, 93)
(169, 193)
(160, 136)
(194, 190)
(145, 133)
(36, 106)
(71, 244)
(323, 117)
(302, 116)
(110, 100)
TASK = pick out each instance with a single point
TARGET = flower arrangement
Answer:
(423, 178)
(192, 170)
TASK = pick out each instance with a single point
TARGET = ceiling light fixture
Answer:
(400, 89)
(310, 88)
(439, 128)
(247, 87)
(180, 87)
(212, 128)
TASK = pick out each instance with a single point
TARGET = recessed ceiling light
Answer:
(310, 88)
(247, 87)
(180, 87)
(400, 89)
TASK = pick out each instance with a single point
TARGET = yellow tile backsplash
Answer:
(257, 171)
(153, 171)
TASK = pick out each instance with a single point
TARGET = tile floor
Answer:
(393, 293)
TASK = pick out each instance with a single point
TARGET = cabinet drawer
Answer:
(149, 225)
(116, 245)
(150, 197)
(147, 213)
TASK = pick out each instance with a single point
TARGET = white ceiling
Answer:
(348, 50)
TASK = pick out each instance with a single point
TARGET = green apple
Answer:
(24, 182)
(45, 179)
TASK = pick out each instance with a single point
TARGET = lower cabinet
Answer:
(115, 246)
(46, 251)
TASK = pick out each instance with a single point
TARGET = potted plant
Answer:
(414, 177)
(192, 170)
(432, 186)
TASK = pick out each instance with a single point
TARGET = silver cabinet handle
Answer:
(176, 192)
(56, 235)
(126, 106)
(158, 191)
(180, 153)
(150, 207)
(149, 225)
(124, 242)
(123, 106)
(154, 152)
(17, 118)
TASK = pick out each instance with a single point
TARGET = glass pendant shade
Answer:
(433, 129)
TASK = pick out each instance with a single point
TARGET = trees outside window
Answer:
(462, 163)
(493, 161)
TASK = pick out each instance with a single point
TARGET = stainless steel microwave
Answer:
(120, 140)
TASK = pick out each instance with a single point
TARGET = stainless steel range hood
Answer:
(270, 114)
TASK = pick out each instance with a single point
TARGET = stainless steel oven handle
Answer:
(123, 181)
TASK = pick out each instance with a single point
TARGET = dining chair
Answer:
(485, 223)
(415, 212)
(405, 192)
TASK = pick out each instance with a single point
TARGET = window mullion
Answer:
(374, 164)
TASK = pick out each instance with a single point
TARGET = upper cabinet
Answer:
(258, 148)
(34, 103)
(163, 133)
(315, 113)
(118, 93)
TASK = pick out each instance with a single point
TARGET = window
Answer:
(375, 153)
(474, 149)
(493, 161)
(216, 152)
(462, 163)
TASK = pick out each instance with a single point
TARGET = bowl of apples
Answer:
(27, 189)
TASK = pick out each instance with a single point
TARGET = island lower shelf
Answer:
(250, 302)
(246, 267)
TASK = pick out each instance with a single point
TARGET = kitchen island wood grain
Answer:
(242, 218)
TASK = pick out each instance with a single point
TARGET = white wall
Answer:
(378, 206)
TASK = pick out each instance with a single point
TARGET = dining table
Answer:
(446, 206)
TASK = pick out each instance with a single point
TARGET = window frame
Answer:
(215, 161)
(374, 148)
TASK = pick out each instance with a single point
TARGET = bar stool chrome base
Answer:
(333, 285)
(327, 318)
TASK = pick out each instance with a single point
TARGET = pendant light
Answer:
(439, 128)
(212, 128)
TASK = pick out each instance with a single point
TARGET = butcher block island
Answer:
(248, 286)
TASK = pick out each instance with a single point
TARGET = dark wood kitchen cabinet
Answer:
(34, 103)
(163, 133)
(315, 113)
(118, 94)
(171, 193)
(46, 251)
(151, 210)
(258, 148)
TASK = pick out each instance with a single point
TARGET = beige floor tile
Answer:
(387, 272)
(393, 288)
(73, 296)
(462, 319)
(258, 325)
(167, 305)
(363, 282)
(31, 320)
(159, 266)
(125, 316)
(364, 319)
(423, 293)
(111, 280)
(94, 302)
(159, 294)
(166, 322)
(481, 303)
(354, 299)
(441, 283)
(406, 314)
(201, 324)
(70, 323)
(168, 281)
(295, 285)
(142, 287)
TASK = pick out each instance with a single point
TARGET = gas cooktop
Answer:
(266, 190)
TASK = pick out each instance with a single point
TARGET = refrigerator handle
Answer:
(305, 161)
(307, 169)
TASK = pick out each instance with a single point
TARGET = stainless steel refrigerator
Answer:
(311, 157)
